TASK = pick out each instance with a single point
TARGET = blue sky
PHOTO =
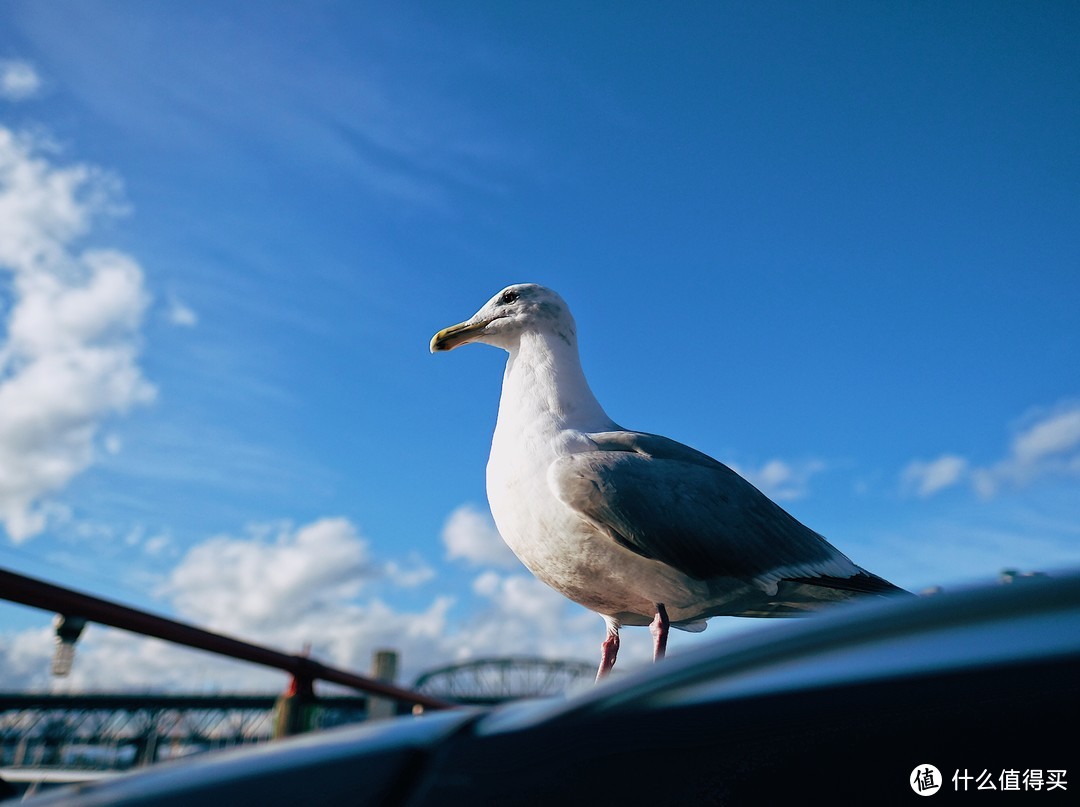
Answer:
(834, 245)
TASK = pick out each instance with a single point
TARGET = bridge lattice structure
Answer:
(110, 732)
(495, 680)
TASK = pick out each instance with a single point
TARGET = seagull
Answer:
(636, 527)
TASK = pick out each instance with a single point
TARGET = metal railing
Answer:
(304, 670)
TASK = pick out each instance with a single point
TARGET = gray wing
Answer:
(666, 501)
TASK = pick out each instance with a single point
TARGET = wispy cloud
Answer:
(928, 478)
(353, 113)
(181, 314)
(412, 572)
(1048, 443)
(780, 479)
(70, 359)
(19, 81)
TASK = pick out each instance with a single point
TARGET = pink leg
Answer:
(608, 651)
(659, 630)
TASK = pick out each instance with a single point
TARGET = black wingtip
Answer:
(861, 583)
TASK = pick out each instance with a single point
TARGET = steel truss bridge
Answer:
(96, 731)
(115, 732)
(494, 680)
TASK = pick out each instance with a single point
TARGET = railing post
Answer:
(383, 668)
(68, 630)
(295, 708)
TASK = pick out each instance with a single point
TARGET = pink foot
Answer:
(608, 651)
(659, 630)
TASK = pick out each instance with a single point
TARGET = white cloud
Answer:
(783, 481)
(411, 574)
(181, 314)
(69, 361)
(518, 594)
(19, 81)
(928, 478)
(24, 659)
(1051, 437)
(1048, 444)
(157, 544)
(292, 586)
(471, 535)
(246, 584)
(280, 586)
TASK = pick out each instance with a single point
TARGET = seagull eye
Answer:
(508, 297)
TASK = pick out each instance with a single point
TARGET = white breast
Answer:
(562, 549)
(545, 412)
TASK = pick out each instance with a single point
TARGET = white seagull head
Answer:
(516, 310)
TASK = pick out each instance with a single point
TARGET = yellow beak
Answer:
(450, 338)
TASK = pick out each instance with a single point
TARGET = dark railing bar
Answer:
(49, 597)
